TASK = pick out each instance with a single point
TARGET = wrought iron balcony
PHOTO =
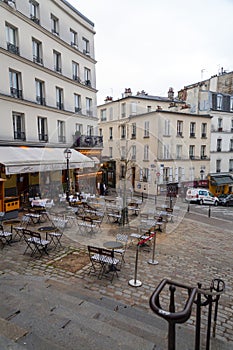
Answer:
(16, 93)
(40, 100)
(19, 135)
(43, 137)
(35, 19)
(13, 48)
(37, 59)
(88, 141)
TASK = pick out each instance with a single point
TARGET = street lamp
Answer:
(67, 154)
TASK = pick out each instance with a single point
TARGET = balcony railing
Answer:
(13, 48)
(88, 141)
(203, 157)
(40, 100)
(43, 137)
(37, 59)
(192, 134)
(60, 105)
(19, 135)
(16, 93)
(203, 135)
(78, 110)
(61, 138)
(35, 19)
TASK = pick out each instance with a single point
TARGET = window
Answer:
(103, 115)
(122, 172)
(34, 11)
(133, 135)
(42, 129)
(123, 153)
(19, 126)
(191, 151)
(12, 39)
(110, 113)
(179, 128)
(230, 165)
(86, 47)
(218, 166)
(219, 124)
(178, 151)
(133, 107)
(37, 51)
(219, 145)
(87, 76)
(134, 152)
(110, 152)
(110, 133)
(75, 71)
(146, 152)
(73, 38)
(77, 103)
(123, 110)
(61, 131)
(79, 128)
(191, 173)
(231, 104)
(89, 106)
(123, 131)
(167, 127)
(146, 175)
(15, 84)
(166, 152)
(54, 25)
(146, 128)
(57, 61)
(148, 109)
(231, 145)
(40, 94)
(192, 129)
(219, 102)
(203, 130)
(203, 152)
(59, 98)
(90, 130)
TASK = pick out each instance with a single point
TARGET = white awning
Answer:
(96, 160)
(33, 159)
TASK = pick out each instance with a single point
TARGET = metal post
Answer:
(153, 261)
(188, 207)
(209, 212)
(142, 196)
(67, 181)
(172, 325)
(134, 282)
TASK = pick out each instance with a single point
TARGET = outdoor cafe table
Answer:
(113, 245)
(46, 229)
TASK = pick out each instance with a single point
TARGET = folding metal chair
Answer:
(56, 235)
(35, 243)
(5, 236)
(17, 230)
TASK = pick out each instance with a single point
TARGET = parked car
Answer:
(225, 199)
(201, 196)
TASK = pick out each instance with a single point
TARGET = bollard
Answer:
(134, 282)
(142, 196)
(209, 212)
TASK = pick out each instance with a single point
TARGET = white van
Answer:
(201, 196)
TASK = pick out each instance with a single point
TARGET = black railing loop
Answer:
(171, 316)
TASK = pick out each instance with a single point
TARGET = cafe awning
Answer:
(221, 180)
(23, 159)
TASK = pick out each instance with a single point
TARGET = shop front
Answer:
(31, 172)
(220, 183)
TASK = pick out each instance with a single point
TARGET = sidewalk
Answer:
(189, 252)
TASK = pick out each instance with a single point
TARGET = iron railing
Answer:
(195, 295)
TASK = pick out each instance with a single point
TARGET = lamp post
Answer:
(67, 153)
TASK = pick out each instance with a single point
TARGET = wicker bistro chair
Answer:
(123, 238)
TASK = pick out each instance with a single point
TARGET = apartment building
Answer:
(153, 141)
(215, 97)
(47, 93)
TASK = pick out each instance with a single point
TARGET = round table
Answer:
(113, 245)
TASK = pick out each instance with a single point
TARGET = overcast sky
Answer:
(152, 45)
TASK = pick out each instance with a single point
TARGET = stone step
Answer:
(61, 316)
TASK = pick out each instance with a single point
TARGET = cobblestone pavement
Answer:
(188, 252)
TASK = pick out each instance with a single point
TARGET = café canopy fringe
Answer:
(33, 159)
